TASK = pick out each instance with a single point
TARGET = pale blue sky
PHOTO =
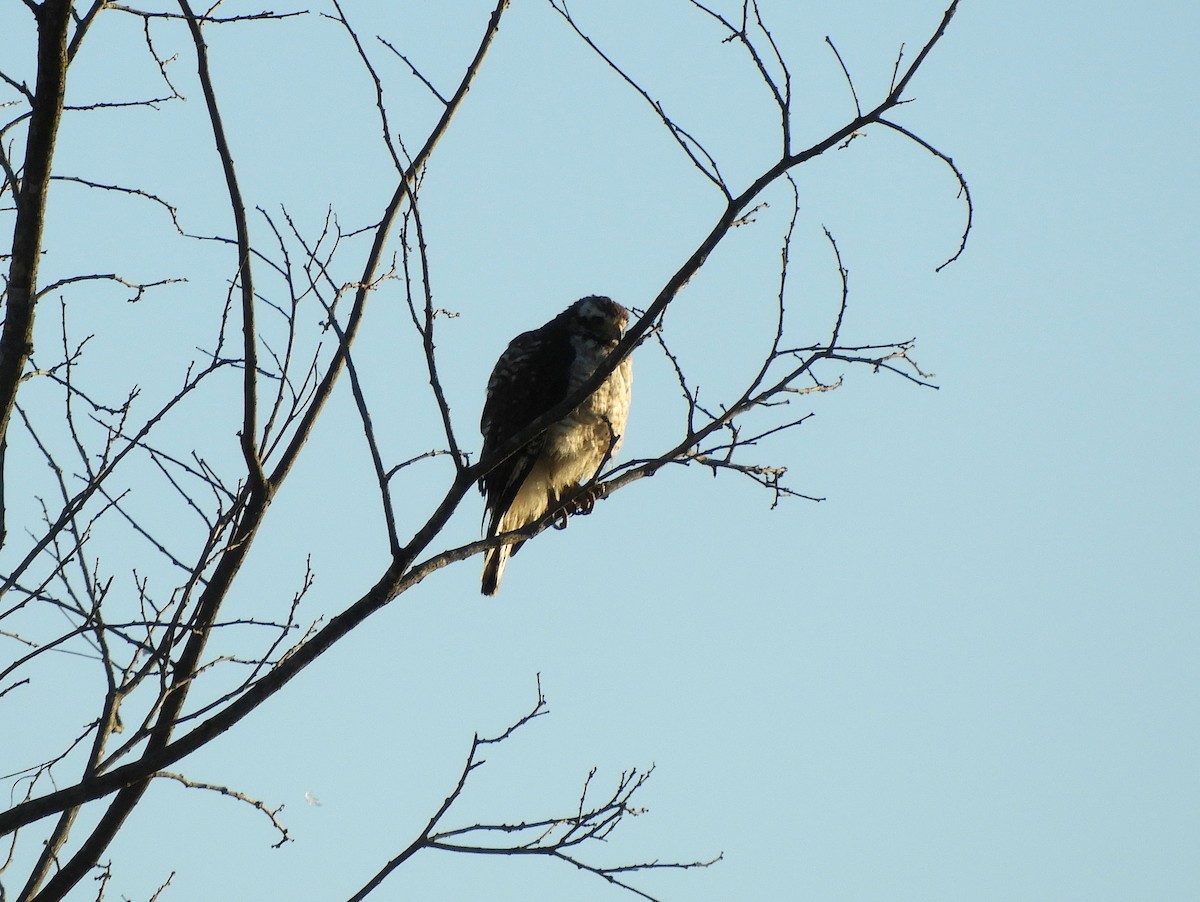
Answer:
(970, 673)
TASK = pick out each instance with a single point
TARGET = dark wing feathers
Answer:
(531, 376)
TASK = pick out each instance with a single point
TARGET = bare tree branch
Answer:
(692, 148)
(556, 837)
(272, 814)
(187, 510)
(16, 340)
(258, 479)
(964, 191)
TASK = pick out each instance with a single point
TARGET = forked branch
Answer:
(562, 838)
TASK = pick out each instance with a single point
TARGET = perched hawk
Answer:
(538, 370)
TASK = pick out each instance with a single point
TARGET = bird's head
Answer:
(601, 318)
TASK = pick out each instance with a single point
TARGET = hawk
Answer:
(538, 370)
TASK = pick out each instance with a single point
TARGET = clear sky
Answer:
(971, 672)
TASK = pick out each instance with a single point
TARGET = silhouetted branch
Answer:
(691, 147)
(846, 72)
(144, 511)
(741, 34)
(964, 191)
(591, 822)
(245, 279)
(424, 324)
(414, 70)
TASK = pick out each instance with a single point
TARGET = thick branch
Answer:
(16, 342)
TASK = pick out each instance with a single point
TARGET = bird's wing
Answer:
(531, 376)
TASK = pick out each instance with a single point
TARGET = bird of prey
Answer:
(538, 370)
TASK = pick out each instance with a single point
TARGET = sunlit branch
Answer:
(272, 814)
(207, 18)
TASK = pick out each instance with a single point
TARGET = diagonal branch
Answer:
(691, 147)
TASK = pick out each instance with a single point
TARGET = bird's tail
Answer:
(495, 559)
(493, 567)
(526, 506)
